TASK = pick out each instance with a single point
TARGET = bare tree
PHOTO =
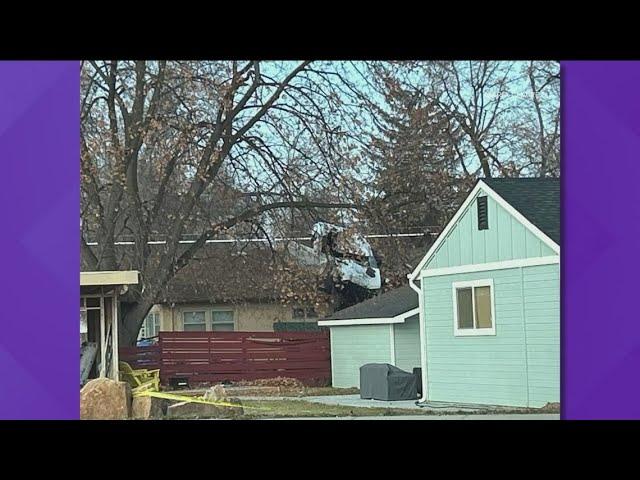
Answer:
(542, 137)
(198, 148)
(477, 98)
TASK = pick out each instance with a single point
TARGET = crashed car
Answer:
(346, 259)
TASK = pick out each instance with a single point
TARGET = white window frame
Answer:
(472, 332)
(212, 323)
(150, 320)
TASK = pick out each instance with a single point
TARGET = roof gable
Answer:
(511, 235)
(537, 199)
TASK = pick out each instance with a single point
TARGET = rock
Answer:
(105, 399)
(148, 408)
(193, 410)
(235, 411)
(217, 393)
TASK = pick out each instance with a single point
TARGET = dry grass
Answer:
(282, 408)
(302, 408)
(319, 391)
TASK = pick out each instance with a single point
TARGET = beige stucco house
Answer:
(230, 290)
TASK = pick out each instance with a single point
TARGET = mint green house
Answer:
(489, 298)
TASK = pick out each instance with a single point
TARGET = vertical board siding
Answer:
(407, 344)
(518, 366)
(542, 313)
(355, 345)
(506, 239)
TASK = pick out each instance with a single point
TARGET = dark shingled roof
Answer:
(386, 305)
(537, 199)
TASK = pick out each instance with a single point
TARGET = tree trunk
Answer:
(484, 161)
(133, 315)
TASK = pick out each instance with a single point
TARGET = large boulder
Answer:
(105, 399)
(148, 408)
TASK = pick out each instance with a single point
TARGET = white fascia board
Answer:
(360, 321)
(482, 267)
(413, 275)
(370, 321)
(452, 223)
(408, 314)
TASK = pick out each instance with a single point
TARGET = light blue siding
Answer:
(518, 366)
(541, 287)
(355, 345)
(506, 239)
(407, 344)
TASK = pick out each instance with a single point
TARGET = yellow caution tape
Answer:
(183, 398)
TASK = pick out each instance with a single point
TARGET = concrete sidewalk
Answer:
(435, 407)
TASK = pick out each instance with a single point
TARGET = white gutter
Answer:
(423, 339)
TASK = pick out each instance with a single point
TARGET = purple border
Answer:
(39, 152)
(39, 242)
(601, 240)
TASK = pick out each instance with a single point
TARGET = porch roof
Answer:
(95, 279)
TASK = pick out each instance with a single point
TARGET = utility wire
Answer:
(263, 240)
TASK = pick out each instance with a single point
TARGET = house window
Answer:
(151, 326)
(194, 321)
(222, 321)
(473, 308)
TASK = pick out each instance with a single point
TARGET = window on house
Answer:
(194, 322)
(473, 308)
(222, 321)
(483, 214)
(151, 325)
(84, 328)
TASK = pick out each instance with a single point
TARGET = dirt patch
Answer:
(553, 407)
(301, 408)
(321, 391)
(282, 382)
(272, 387)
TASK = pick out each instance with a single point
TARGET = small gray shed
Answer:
(382, 329)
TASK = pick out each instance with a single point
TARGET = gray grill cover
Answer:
(381, 381)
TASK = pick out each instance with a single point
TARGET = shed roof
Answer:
(537, 199)
(391, 304)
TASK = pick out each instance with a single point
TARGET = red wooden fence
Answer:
(220, 356)
(141, 357)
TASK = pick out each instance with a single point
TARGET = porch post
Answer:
(114, 335)
(103, 343)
